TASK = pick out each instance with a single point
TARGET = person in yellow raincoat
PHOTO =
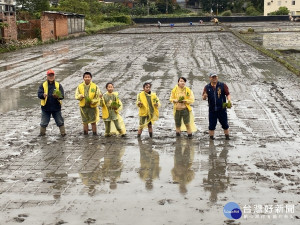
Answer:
(148, 104)
(182, 97)
(88, 94)
(111, 106)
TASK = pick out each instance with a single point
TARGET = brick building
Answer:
(55, 25)
(8, 18)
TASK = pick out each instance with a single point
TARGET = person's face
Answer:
(87, 79)
(50, 77)
(110, 88)
(147, 88)
(181, 83)
(214, 79)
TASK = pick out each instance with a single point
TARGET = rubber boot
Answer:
(227, 137)
(212, 137)
(122, 133)
(42, 131)
(150, 134)
(62, 131)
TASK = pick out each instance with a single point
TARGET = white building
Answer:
(273, 5)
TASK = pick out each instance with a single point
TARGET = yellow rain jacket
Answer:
(189, 98)
(45, 86)
(92, 93)
(144, 110)
(105, 115)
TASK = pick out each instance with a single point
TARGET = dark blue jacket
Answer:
(216, 97)
(52, 104)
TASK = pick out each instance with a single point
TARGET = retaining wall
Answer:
(207, 19)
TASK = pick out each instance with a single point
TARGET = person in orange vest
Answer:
(51, 94)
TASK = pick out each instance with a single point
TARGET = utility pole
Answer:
(166, 6)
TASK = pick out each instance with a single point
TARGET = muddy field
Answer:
(164, 180)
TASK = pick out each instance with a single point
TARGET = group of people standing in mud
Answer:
(90, 98)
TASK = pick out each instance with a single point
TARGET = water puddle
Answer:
(12, 98)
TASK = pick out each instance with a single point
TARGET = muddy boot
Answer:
(227, 137)
(42, 131)
(177, 134)
(190, 136)
(211, 137)
(150, 134)
(62, 131)
(95, 133)
(122, 133)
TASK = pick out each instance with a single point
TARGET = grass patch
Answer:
(103, 26)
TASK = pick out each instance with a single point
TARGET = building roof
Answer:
(65, 13)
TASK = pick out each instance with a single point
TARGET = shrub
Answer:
(281, 11)
(250, 30)
(226, 13)
(119, 19)
(251, 11)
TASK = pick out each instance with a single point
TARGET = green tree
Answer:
(33, 6)
(281, 11)
(75, 6)
(251, 11)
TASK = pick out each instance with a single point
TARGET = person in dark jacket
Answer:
(51, 93)
(216, 92)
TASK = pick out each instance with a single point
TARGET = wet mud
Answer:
(164, 180)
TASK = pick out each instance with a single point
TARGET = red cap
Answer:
(50, 72)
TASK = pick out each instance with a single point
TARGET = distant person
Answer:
(111, 106)
(51, 94)
(215, 20)
(291, 18)
(201, 21)
(216, 93)
(182, 97)
(88, 94)
(148, 104)
(158, 24)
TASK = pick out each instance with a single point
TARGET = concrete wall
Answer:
(207, 19)
(75, 24)
(273, 5)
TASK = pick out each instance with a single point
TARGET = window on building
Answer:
(269, 3)
(293, 2)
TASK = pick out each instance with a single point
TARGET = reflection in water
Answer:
(59, 181)
(13, 98)
(99, 171)
(183, 160)
(217, 181)
(8, 99)
(149, 159)
(56, 177)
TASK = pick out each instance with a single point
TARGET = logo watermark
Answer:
(232, 210)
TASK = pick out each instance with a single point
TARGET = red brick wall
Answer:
(10, 32)
(29, 30)
(53, 26)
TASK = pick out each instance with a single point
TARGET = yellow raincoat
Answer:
(189, 98)
(105, 115)
(144, 110)
(94, 93)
